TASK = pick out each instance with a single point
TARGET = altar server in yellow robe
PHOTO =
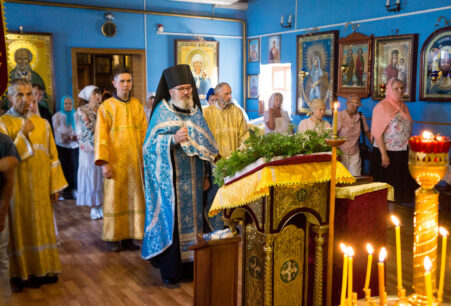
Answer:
(119, 137)
(229, 128)
(226, 121)
(38, 179)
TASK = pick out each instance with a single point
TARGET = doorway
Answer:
(95, 67)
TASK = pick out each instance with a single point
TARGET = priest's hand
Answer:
(107, 171)
(206, 183)
(27, 127)
(54, 197)
(181, 135)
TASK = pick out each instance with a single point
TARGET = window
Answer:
(276, 78)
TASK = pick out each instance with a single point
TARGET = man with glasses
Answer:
(119, 135)
(178, 151)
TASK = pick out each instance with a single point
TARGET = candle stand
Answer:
(427, 169)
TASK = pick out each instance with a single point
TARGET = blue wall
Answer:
(73, 27)
(263, 17)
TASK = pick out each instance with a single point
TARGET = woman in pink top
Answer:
(348, 126)
(390, 130)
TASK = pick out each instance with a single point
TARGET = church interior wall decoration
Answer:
(274, 49)
(435, 66)
(202, 57)
(30, 56)
(316, 69)
(355, 63)
(395, 57)
(253, 49)
(252, 86)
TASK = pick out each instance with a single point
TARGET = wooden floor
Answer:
(93, 276)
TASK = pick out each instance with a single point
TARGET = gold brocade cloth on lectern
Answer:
(283, 208)
(256, 185)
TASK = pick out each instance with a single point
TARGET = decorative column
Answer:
(319, 264)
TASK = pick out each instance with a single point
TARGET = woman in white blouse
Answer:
(90, 178)
(66, 143)
(315, 121)
(276, 119)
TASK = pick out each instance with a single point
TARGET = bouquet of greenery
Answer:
(269, 146)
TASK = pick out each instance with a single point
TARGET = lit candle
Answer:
(444, 234)
(398, 252)
(370, 250)
(381, 270)
(334, 130)
(350, 260)
(345, 273)
(427, 279)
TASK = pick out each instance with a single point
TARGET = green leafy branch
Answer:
(269, 146)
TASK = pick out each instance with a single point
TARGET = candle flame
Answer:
(395, 220)
(382, 254)
(427, 135)
(369, 248)
(443, 231)
(350, 251)
(336, 105)
(344, 248)
(427, 264)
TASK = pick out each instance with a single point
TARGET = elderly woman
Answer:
(66, 143)
(315, 121)
(90, 178)
(276, 119)
(348, 127)
(390, 130)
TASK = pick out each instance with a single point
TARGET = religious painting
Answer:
(274, 49)
(316, 70)
(253, 49)
(252, 86)
(202, 57)
(355, 62)
(30, 56)
(435, 66)
(395, 57)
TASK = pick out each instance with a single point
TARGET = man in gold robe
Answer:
(39, 178)
(229, 128)
(119, 137)
(226, 121)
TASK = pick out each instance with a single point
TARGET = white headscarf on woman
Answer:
(86, 92)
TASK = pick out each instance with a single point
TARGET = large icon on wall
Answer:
(355, 64)
(316, 71)
(30, 56)
(435, 67)
(202, 57)
(395, 57)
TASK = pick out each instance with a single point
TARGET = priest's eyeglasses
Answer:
(183, 88)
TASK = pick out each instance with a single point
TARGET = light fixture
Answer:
(395, 8)
(109, 28)
(288, 24)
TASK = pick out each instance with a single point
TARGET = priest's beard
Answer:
(186, 103)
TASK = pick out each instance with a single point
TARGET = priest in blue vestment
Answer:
(178, 150)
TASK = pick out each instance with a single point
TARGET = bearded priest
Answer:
(178, 150)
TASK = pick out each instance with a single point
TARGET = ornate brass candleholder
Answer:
(427, 169)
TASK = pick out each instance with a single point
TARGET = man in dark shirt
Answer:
(9, 158)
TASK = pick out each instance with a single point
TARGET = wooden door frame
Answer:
(142, 75)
